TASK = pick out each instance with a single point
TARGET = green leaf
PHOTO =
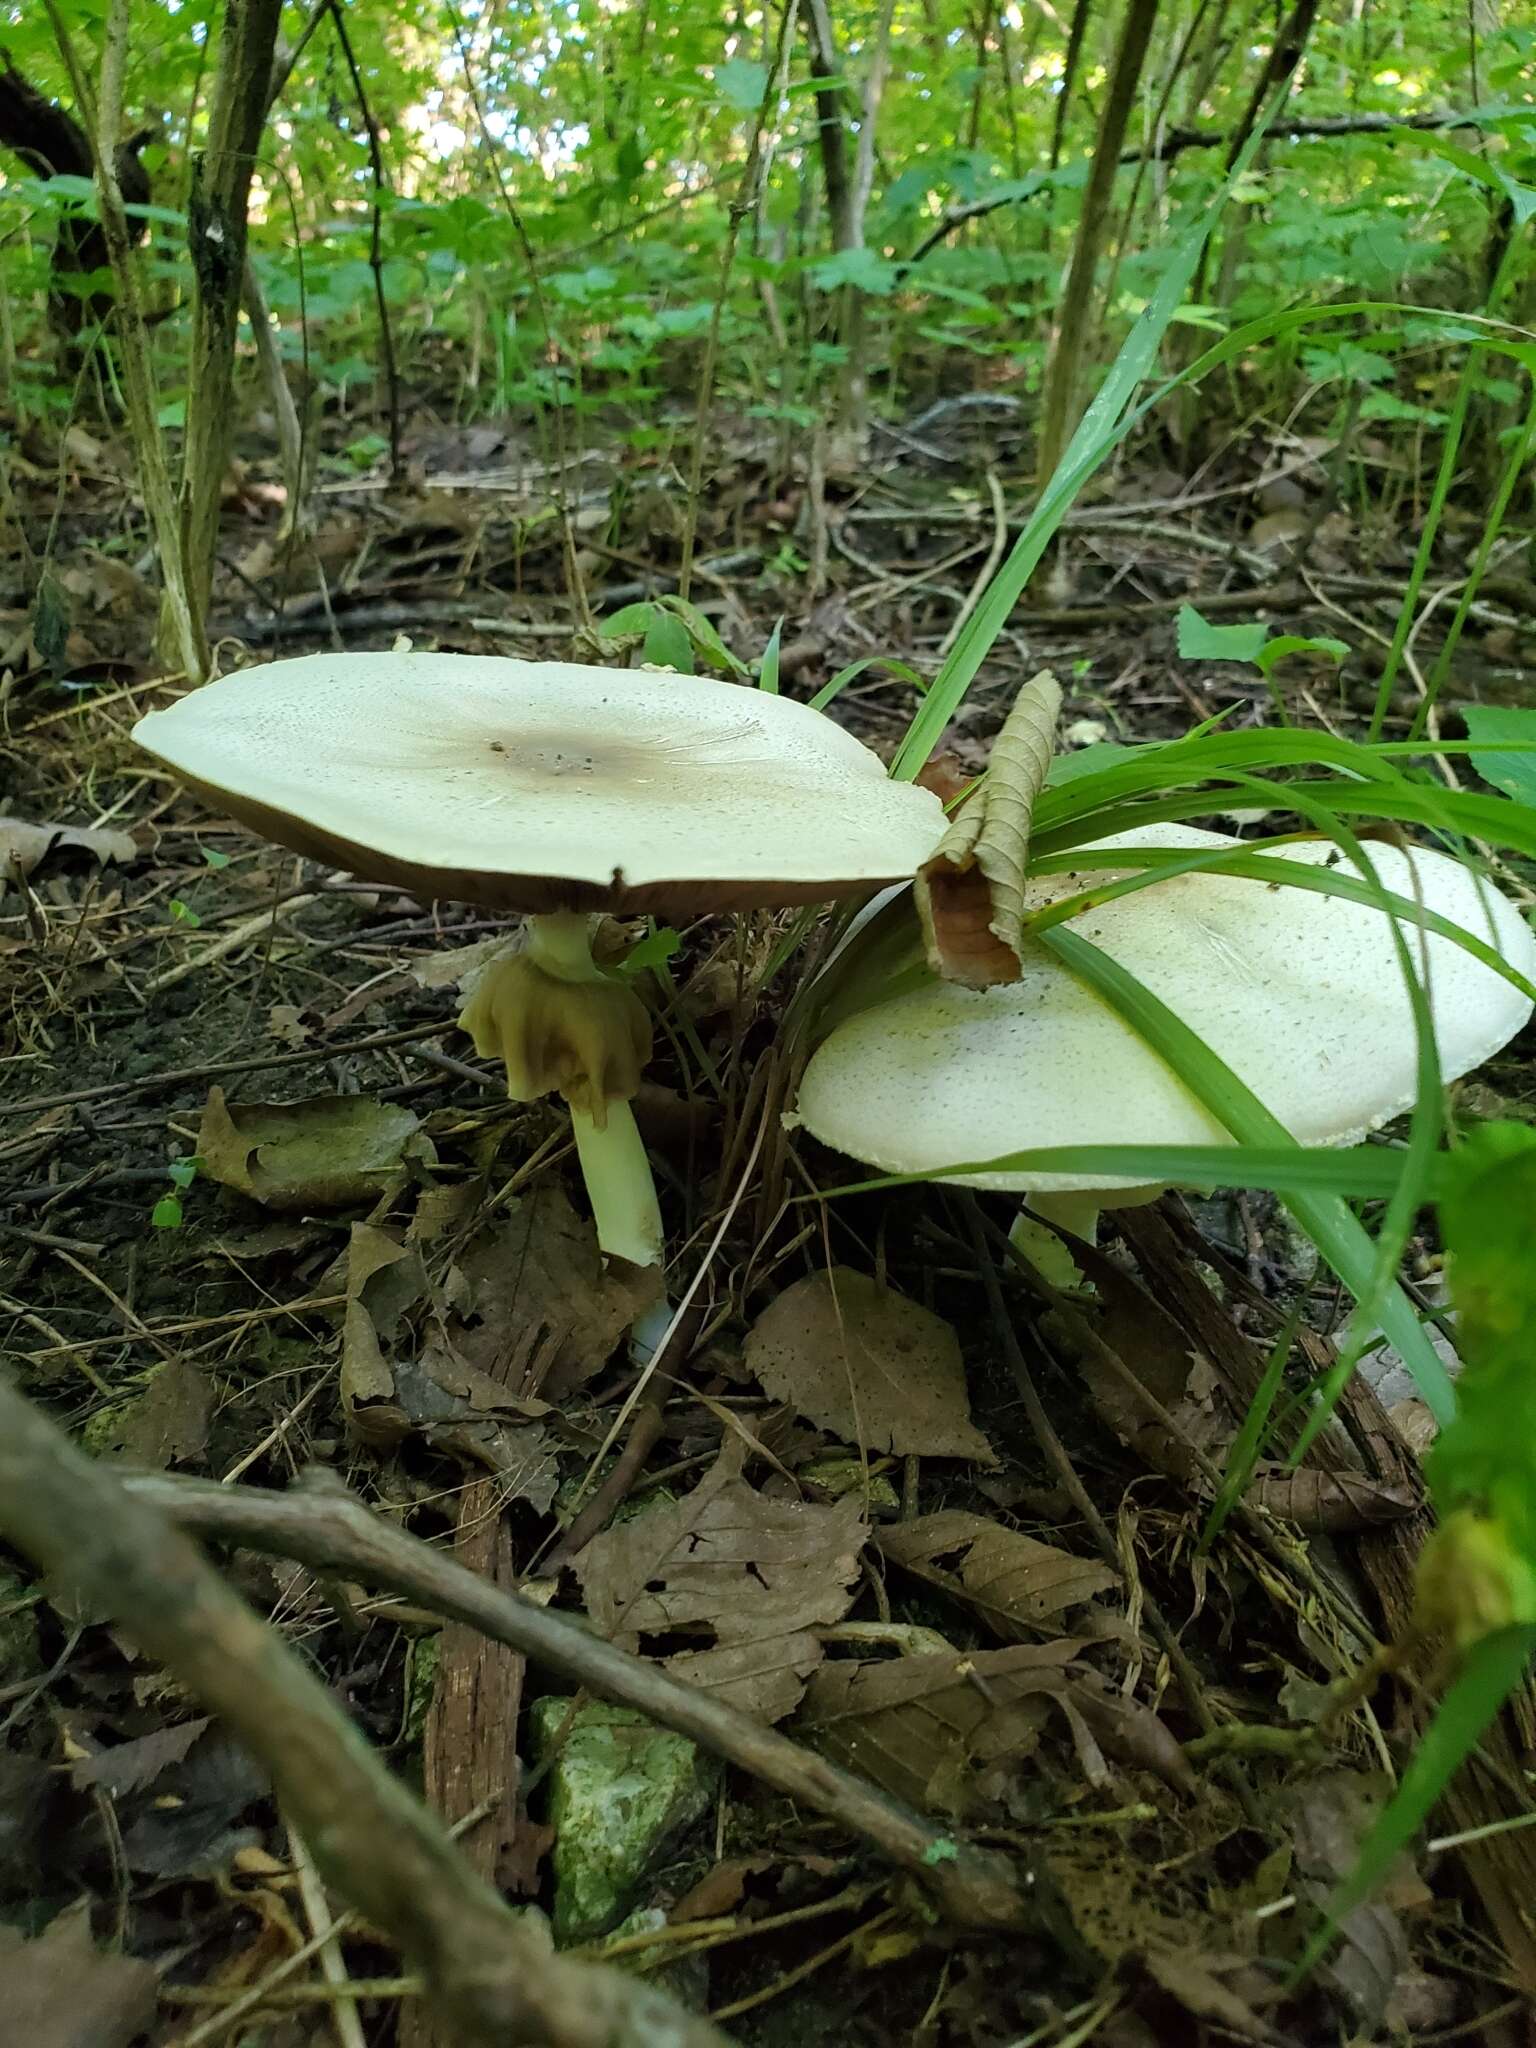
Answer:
(1276, 650)
(667, 643)
(768, 668)
(654, 950)
(1199, 640)
(183, 913)
(703, 635)
(1514, 773)
(166, 1214)
(741, 83)
(861, 268)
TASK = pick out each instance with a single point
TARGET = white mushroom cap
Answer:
(542, 785)
(1302, 995)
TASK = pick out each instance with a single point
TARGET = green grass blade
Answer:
(1493, 1669)
(1333, 1228)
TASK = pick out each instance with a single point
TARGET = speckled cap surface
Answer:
(1302, 995)
(540, 785)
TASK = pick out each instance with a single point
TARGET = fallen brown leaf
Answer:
(24, 847)
(129, 1766)
(165, 1425)
(61, 1991)
(920, 1726)
(735, 1584)
(1012, 1581)
(867, 1363)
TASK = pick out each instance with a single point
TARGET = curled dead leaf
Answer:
(970, 892)
(24, 847)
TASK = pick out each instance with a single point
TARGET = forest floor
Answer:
(1152, 1727)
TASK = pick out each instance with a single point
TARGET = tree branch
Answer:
(492, 1971)
(1177, 140)
(324, 1527)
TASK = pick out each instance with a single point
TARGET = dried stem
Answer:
(323, 1527)
(491, 1971)
(181, 629)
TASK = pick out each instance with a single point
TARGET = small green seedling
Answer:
(167, 1214)
(1202, 640)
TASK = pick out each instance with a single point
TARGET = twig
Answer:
(491, 1971)
(333, 1968)
(230, 942)
(176, 1077)
(330, 1531)
(983, 575)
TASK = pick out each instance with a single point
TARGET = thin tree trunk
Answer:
(1059, 408)
(216, 236)
(848, 194)
(831, 129)
(1079, 30)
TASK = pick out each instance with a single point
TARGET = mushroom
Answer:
(561, 791)
(1302, 995)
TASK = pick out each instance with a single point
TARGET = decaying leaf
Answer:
(165, 1425)
(24, 846)
(1330, 1503)
(865, 1362)
(541, 1312)
(970, 893)
(920, 1726)
(321, 1153)
(1013, 1582)
(400, 1375)
(61, 1991)
(1330, 1816)
(1198, 1983)
(1157, 1353)
(734, 1583)
(129, 1766)
(194, 1816)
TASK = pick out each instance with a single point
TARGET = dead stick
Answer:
(492, 1972)
(323, 1527)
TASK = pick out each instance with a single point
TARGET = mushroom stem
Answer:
(1077, 1209)
(561, 1024)
(619, 1184)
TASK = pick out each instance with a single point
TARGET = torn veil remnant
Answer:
(561, 791)
(1301, 994)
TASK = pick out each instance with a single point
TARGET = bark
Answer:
(216, 237)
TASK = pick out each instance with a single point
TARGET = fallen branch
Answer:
(324, 1527)
(492, 1972)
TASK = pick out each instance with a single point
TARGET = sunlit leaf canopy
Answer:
(619, 134)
